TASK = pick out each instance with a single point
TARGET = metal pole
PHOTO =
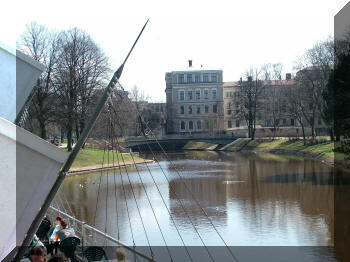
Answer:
(62, 174)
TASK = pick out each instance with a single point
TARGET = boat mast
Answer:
(67, 165)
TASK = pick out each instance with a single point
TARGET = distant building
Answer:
(194, 100)
(198, 101)
(272, 110)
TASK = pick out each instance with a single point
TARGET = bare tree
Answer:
(314, 70)
(42, 46)
(274, 105)
(250, 100)
(294, 102)
(82, 68)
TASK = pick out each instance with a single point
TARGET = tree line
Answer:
(76, 71)
(307, 96)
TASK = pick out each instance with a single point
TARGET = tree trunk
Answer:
(77, 131)
(304, 138)
(62, 135)
(82, 126)
(42, 131)
(69, 137)
(331, 133)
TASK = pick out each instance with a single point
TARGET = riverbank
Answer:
(90, 160)
(321, 151)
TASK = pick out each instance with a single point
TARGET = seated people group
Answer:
(57, 233)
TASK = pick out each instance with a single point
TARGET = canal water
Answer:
(252, 200)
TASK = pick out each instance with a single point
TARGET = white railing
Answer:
(91, 236)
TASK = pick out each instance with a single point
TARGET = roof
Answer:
(196, 69)
(231, 84)
(265, 82)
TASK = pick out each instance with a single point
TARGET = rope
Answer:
(143, 186)
(132, 189)
(142, 183)
(178, 173)
(99, 186)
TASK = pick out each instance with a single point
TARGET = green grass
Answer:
(198, 145)
(285, 144)
(90, 157)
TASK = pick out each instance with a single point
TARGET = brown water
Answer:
(252, 199)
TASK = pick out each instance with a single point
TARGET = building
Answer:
(194, 100)
(198, 101)
(274, 117)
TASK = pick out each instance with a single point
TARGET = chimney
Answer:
(189, 63)
(288, 76)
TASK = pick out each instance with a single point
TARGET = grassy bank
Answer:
(196, 145)
(93, 158)
(324, 151)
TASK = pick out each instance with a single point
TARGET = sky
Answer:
(229, 35)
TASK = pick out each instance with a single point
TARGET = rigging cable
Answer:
(144, 162)
(133, 193)
(143, 186)
(181, 178)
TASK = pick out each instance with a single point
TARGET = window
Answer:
(283, 108)
(213, 78)
(237, 105)
(206, 124)
(190, 110)
(214, 93)
(215, 108)
(181, 95)
(229, 94)
(205, 78)
(198, 109)
(206, 93)
(197, 78)
(190, 125)
(189, 78)
(237, 123)
(189, 95)
(198, 94)
(183, 125)
(229, 124)
(181, 79)
(292, 122)
(284, 121)
(182, 110)
(229, 108)
(206, 109)
(237, 94)
(199, 124)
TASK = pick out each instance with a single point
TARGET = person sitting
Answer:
(64, 231)
(56, 228)
(53, 243)
(37, 254)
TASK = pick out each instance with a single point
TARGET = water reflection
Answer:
(252, 199)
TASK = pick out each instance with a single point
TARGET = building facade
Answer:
(194, 101)
(198, 101)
